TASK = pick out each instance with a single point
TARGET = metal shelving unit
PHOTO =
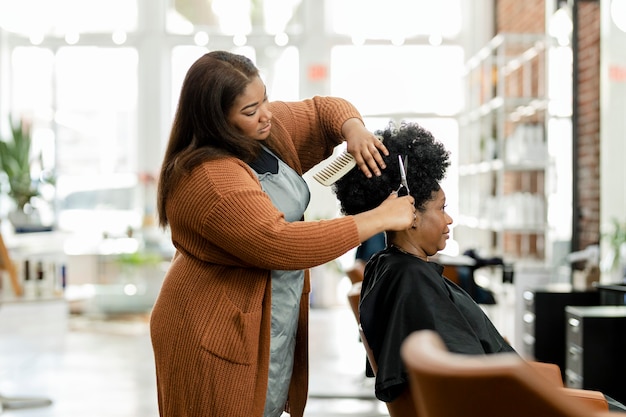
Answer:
(503, 158)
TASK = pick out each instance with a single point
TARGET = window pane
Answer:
(390, 19)
(282, 80)
(83, 105)
(59, 17)
(98, 205)
(233, 17)
(31, 98)
(96, 137)
(96, 110)
(387, 79)
(184, 15)
(31, 81)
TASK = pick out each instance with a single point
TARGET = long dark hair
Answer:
(200, 130)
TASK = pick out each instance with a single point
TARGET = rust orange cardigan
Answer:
(210, 326)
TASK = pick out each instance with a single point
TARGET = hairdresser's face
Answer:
(250, 113)
(432, 229)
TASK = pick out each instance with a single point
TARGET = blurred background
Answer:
(527, 96)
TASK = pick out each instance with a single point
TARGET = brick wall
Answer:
(588, 125)
(525, 16)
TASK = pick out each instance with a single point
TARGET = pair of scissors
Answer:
(403, 189)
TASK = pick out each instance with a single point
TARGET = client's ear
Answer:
(418, 219)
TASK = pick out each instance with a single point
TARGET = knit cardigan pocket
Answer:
(232, 334)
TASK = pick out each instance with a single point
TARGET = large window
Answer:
(100, 80)
(387, 80)
(82, 104)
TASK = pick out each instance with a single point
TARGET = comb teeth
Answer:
(336, 169)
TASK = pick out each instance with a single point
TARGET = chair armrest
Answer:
(594, 399)
(354, 296)
(356, 272)
(550, 371)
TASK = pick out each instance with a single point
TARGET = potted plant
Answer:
(615, 260)
(16, 163)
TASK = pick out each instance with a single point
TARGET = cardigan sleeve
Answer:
(312, 127)
(221, 215)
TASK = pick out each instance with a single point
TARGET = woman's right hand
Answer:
(399, 212)
(394, 213)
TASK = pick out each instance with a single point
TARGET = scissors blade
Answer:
(402, 172)
(403, 181)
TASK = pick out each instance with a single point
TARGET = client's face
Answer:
(433, 229)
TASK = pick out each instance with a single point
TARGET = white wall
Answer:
(612, 122)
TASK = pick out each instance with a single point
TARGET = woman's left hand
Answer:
(365, 147)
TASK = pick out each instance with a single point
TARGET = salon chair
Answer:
(445, 384)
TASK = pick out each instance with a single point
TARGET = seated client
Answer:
(402, 291)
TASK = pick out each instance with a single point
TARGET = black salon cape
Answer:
(401, 294)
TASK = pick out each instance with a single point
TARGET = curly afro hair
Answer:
(427, 161)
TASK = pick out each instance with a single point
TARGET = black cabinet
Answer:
(614, 294)
(596, 346)
(544, 322)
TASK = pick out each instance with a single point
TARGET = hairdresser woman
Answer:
(229, 328)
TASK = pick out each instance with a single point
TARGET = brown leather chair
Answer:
(356, 272)
(402, 406)
(445, 384)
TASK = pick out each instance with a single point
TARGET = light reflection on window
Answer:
(83, 105)
(84, 98)
(385, 79)
(282, 78)
(96, 110)
(32, 71)
(59, 17)
(96, 125)
(232, 17)
(394, 18)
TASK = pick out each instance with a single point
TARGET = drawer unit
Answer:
(543, 322)
(596, 342)
(612, 294)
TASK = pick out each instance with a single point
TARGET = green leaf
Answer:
(15, 162)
